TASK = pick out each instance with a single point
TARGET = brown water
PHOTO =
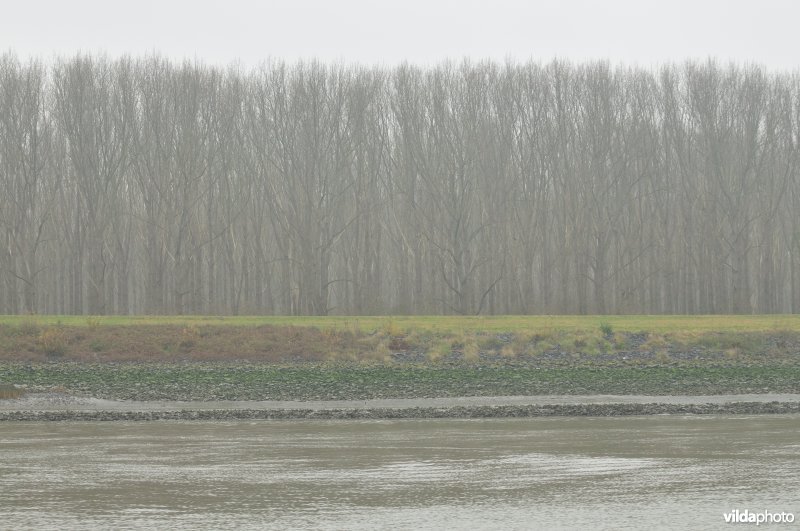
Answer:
(554, 473)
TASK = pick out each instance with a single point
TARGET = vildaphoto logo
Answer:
(764, 517)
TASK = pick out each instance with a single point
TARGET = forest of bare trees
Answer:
(141, 185)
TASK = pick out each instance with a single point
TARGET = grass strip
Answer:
(445, 323)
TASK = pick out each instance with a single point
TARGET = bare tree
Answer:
(145, 186)
(25, 187)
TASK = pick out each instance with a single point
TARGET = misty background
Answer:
(146, 185)
(438, 156)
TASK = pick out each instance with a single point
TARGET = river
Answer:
(676, 472)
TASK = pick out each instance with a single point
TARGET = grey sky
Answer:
(644, 32)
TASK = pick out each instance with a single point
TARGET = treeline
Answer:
(147, 186)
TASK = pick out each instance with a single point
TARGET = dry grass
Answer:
(439, 350)
(8, 391)
(508, 351)
(655, 342)
(193, 342)
(733, 353)
(471, 351)
(94, 339)
(52, 342)
(391, 328)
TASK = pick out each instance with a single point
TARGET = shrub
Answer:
(53, 341)
(189, 338)
(654, 343)
(471, 351)
(607, 330)
(439, 351)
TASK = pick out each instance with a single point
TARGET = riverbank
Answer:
(433, 340)
(65, 407)
(156, 360)
(147, 382)
(236, 391)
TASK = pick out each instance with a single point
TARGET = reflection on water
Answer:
(614, 473)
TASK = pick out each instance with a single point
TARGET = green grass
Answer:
(259, 382)
(684, 324)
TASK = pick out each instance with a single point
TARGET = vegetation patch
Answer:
(52, 342)
(8, 391)
(359, 382)
(194, 359)
(401, 340)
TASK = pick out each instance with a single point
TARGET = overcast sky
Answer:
(643, 32)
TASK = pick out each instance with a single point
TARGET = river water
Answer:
(545, 473)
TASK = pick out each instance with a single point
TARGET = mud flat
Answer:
(64, 407)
